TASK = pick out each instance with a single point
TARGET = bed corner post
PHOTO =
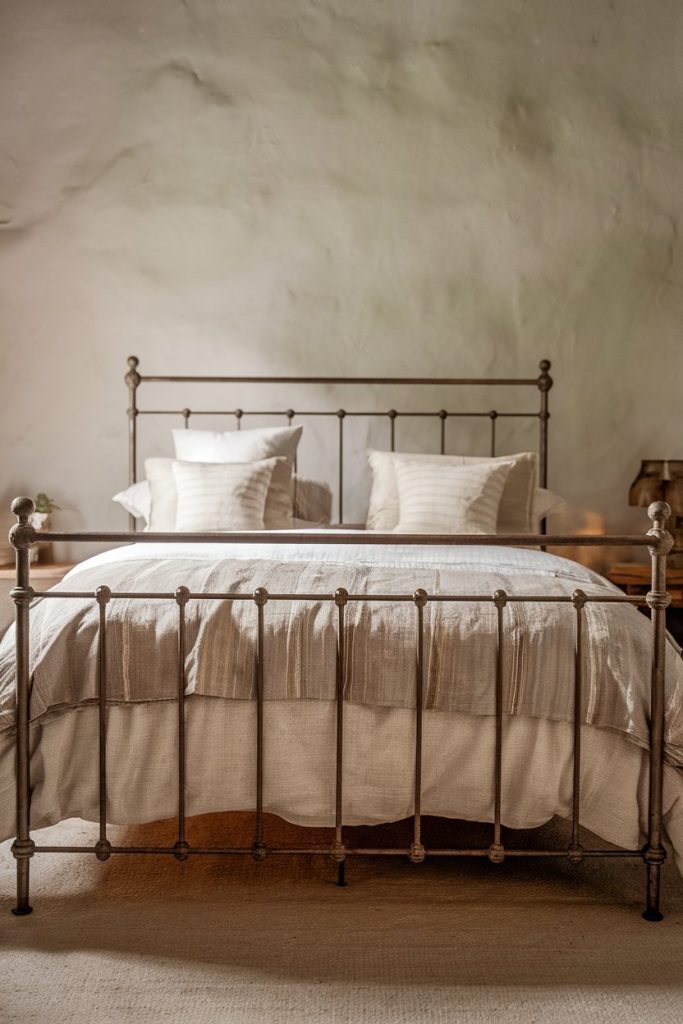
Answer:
(132, 380)
(658, 601)
(22, 536)
(545, 382)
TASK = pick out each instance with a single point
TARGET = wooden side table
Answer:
(48, 573)
(634, 579)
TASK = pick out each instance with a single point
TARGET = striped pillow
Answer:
(514, 514)
(433, 498)
(221, 496)
(249, 446)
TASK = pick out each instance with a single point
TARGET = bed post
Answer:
(22, 536)
(658, 600)
(132, 380)
(545, 382)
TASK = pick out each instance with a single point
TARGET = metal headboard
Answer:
(542, 383)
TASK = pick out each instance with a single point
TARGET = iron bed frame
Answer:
(657, 540)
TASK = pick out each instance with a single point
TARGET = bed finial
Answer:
(658, 513)
(22, 534)
(23, 508)
(132, 378)
(545, 381)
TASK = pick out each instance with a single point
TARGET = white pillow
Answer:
(312, 502)
(136, 500)
(515, 507)
(163, 495)
(437, 498)
(249, 446)
(221, 496)
(544, 503)
(236, 445)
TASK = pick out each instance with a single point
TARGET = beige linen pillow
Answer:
(514, 515)
(162, 484)
(163, 494)
(249, 446)
(221, 496)
(436, 498)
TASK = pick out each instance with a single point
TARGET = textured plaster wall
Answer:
(340, 186)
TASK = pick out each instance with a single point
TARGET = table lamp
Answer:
(662, 480)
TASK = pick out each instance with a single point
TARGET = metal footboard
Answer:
(657, 540)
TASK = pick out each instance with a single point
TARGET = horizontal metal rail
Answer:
(289, 414)
(399, 381)
(230, 595)
(370, 851)
(362, 537)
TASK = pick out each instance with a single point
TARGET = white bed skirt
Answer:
(299, 768)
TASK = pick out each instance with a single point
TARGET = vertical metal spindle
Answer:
(258, 848)
(181, 846)
(658, 601)
(290, 416)
(493, 416)
(545, 382)
(239, 413)
(103, 597)
(443, 416)
(392, 414)
(337, 850)
(575, 850)
(186, 413)
(417, 850)
(132, 380)
(341, 414)
(22, 536)
(496, 849)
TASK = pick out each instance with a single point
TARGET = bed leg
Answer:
(22, 537)
(652, 911)
(341, 874)
(658, 600)
(22, 856)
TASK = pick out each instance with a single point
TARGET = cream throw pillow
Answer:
(515, 512)
(221, 496)
(163, 495)
(434, 498)
(249, 446)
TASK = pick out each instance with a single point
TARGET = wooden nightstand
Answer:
(43, 575)
(634, 579)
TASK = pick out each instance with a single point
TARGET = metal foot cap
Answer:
(22, 911)
(652, 915)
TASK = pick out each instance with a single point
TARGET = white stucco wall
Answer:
(343, 186)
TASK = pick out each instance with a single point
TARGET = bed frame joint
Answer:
(575, 853)
(103, 849)
(181, 850)
(496, 853)
(417, 853)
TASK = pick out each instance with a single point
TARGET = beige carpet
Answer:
(217, 941)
